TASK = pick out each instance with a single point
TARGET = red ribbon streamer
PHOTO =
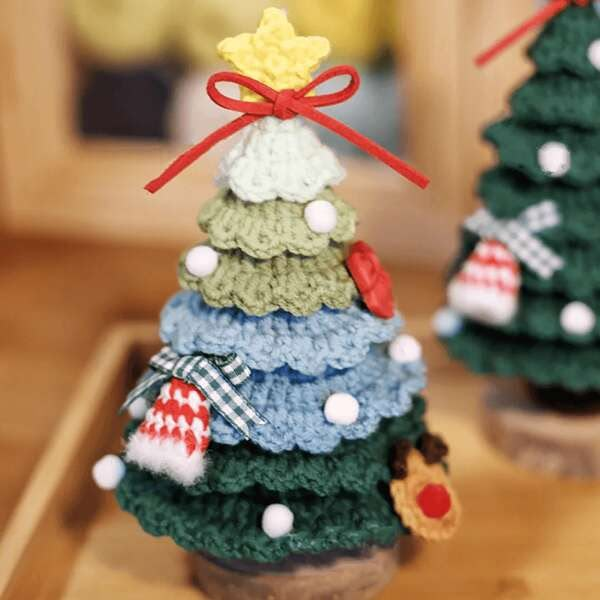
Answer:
(540, 18)
(285, 105)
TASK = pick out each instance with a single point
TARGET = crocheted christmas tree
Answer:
(527, 299)
(285, 400)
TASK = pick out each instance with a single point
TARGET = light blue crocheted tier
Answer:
(294, 405)
(327, 338)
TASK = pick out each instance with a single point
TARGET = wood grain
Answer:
(538, 437)
(449, 99)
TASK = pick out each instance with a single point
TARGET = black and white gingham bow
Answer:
(215, 376)
(517, 235)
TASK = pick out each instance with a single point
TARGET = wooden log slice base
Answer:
(331, 576)
(537, 436)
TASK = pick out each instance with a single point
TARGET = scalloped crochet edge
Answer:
(298, 285)
(273, 227)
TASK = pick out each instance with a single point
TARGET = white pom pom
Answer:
(446, 322)
(554, 159)
(320, 216)
(341, 409)
(138, 408)
(405, 349)
(201, 261)
(577, 318)
(277, 520)
(108, 472)
(593, 54)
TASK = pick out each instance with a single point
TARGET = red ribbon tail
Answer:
(195, 152)
(543, 16)
(363, 143)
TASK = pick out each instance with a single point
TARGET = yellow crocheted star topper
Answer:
(274, 55)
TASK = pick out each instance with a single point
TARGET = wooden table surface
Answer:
(57, 299)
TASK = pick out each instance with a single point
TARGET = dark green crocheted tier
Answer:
(229, 526)
(579, 279)
(554, 100)
(539, 318)
(266, 229)
(506, 194)
(354, 466)
(563, 44)
(489, 351)
(296, 284)
(518, 144)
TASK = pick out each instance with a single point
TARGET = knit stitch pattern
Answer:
(328, 338)
(558, 100)
(539, 318)
(565, 42)
(518, 146)
(579, 279)
(508, 193)
(486, 351)
(354, 466)
(228, 526)
(293, 407)
(279, 159)
(292, 283)
(273, 227)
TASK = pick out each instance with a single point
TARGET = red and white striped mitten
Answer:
(175, 434)
(486, 289)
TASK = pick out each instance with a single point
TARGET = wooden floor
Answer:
(57, 298)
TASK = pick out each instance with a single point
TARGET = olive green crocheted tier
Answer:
(506, 194)
(229, 526)
(518, 144)
(296, 284)
(267, 229)
(579, 279)
(354, 466)
(489, 351)
(563, 44)
(558, 100)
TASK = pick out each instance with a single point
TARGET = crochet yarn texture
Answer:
(354, 466)
(227, 526)
(507, 194)
(308, 387)
(559, 48)
(292, 283)
(293, 406)
(518, 149)
(547, 150)
(327, 338)
(279, 159)
(273, 227)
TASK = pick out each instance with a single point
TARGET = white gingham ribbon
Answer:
(215, 376)
(517, 235)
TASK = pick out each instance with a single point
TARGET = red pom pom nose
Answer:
(434, 500)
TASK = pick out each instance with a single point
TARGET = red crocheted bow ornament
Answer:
(285, 104)
(553, 8)
(372, 281)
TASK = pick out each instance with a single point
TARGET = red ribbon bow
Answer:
(372, 281)
(544, 15)
(285, 105)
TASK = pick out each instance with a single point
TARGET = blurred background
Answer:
(98, 95)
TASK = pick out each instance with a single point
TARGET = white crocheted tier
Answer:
(279, 159)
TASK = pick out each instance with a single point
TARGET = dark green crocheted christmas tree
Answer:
(553, 339)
